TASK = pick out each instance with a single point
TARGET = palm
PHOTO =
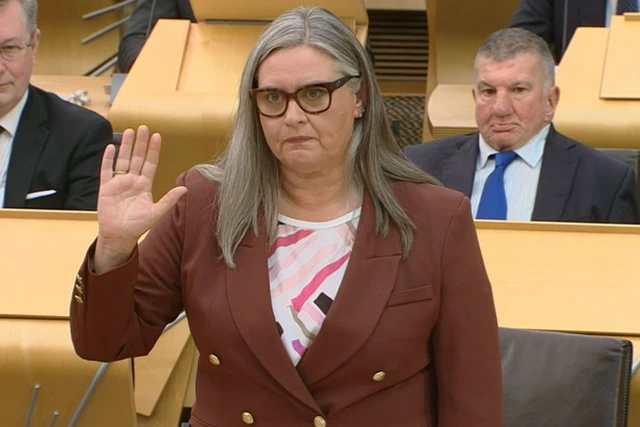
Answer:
(126, 209)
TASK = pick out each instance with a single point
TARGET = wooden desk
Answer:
(567, 277)
(581, 114)
(71, 84)
(451, 110)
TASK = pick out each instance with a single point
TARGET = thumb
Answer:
(169, 199)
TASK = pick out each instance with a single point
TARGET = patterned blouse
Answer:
(306, 264)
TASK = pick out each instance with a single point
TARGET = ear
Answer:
(35, 44)
(361, 101)
(551, 103)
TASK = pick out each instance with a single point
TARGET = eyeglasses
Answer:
(12, 52)
(312, 99)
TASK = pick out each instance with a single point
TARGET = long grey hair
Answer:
(248, 171)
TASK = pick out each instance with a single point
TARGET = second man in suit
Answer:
(518, 167)
(50, 149)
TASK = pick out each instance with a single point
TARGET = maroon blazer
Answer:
(406, 342)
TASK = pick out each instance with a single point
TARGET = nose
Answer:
(294, 114)
(502, 105)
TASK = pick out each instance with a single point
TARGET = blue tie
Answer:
(493, 203)
(626, 6)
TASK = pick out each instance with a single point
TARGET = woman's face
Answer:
(303, 143)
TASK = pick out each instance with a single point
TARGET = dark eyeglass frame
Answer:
(329, 86)
(22, 47)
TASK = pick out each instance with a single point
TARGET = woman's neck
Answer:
(318, 198)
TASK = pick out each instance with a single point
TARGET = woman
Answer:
(327, 281)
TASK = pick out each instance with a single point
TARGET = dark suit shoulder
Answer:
(596, 160)
(429, 202)
(59, 109)
(437, 146)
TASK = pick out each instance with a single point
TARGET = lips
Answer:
(297, 139)
(502, 127)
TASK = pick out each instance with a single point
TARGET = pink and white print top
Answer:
(306, 264)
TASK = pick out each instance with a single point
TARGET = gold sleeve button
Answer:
(319, 422)
(247, 418)
(379, 376)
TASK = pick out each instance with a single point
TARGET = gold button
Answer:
(379, 376)
(79, 289)
(79, 279)
(78, 298)
(319, 422)
(247, 418)
(215, 362)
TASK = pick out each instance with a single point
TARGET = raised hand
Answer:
(126, 209)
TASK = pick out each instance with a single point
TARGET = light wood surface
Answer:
(169, 407)
(622, 60)
(582, 114)
(451, 110)
(249, 10)
(37, 351)
(560, 276)
(41, 262)
(395, 4)
(153, 372)
(61, 51)
(71, 84)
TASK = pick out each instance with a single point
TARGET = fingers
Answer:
(139, 150)
(124, 153)
(169, 199)
(106, 171)
(153, 157)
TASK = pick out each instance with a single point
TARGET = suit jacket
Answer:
(577, 183)
(58, 146)
(547, 19)
(136, 33)
(428, 321)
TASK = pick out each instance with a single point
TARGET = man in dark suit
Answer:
(547, 18)
(142, 21)
(50, 149)
(518, 167)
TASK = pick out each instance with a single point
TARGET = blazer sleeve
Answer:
(465, 342)
(136, 33)
(537, 17)
(83, 176)
(625, 205)
(121, 313)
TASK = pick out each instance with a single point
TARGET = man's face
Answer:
(15, 73)
(513, 101)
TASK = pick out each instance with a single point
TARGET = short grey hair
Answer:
(248, 173)
(30, 13)
(506, 44)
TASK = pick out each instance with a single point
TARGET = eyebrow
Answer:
(312, 83)
(9, 40)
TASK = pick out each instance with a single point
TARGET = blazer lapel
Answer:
(459, 168)
(368, 281)
(31, 136)
(250, 302)
(559, 166)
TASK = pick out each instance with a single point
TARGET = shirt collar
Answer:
(11, 120)
(531, 152)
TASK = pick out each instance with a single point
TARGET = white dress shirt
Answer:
(520, 178)
(611, 10)
(9, 122)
